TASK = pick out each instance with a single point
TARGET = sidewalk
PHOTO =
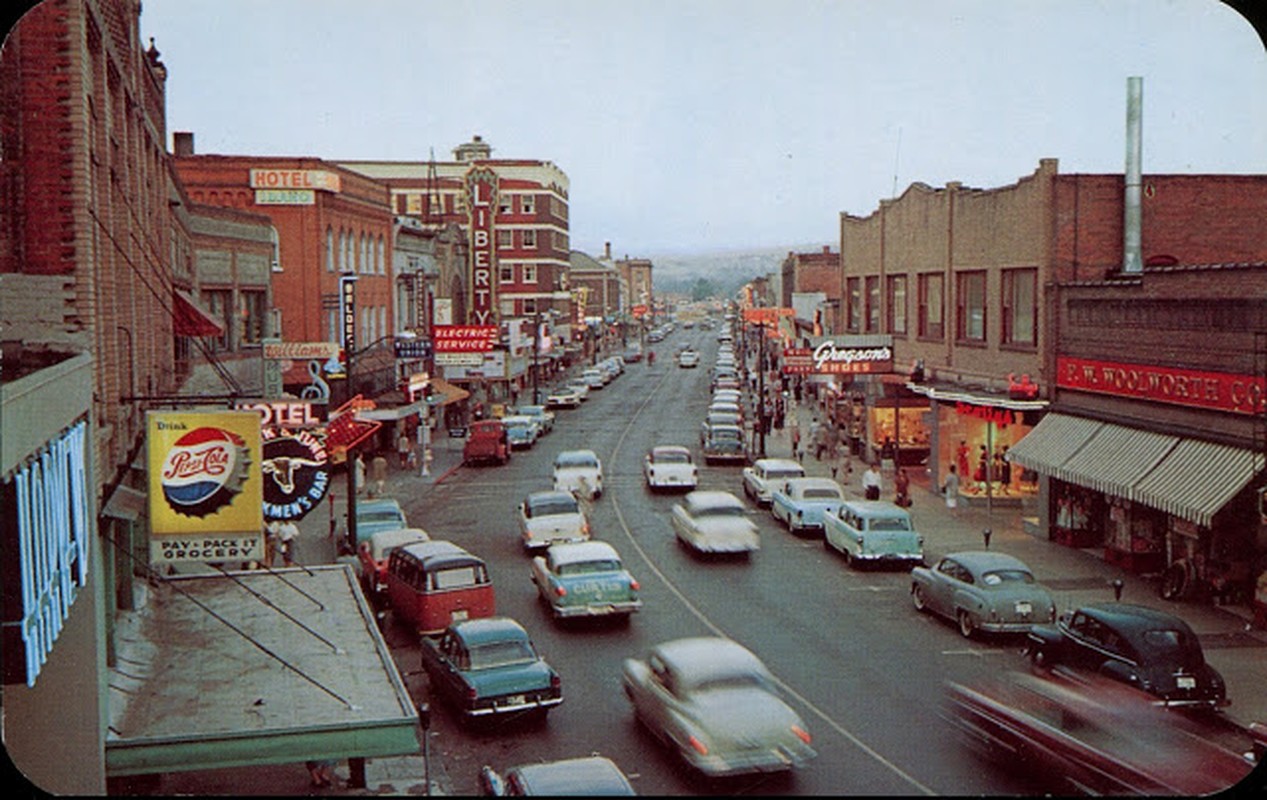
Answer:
(1075, 576)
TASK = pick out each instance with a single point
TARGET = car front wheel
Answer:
(918, 598)
(967, 626)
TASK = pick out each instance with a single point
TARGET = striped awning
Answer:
(1197, 478)
(1053, 440)
(1115, 458)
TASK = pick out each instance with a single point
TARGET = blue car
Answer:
(801, 503)
(522, 431)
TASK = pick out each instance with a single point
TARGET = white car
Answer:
(549, 517)
(595, 378)
(563, 397)
(669, 466)
(688, 359)
(581, 387)
(714, 522)
(580, 472)
(760, 479)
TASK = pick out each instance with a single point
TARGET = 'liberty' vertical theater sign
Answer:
(481, 189)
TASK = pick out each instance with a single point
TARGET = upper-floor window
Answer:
(873, 303)
(896, 298)
(380, 256)
(505, 239)
(530, 273)
(503, 204)
(254, 315)
(932, 310)
(853, 308)
(530, 239)
(528, 204)
(1020, 307)
(970, 318)
(506, 273)
(330, 254)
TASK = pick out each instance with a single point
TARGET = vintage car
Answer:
(522, 431)
(725, 443)
(486, 667)
(549, 517)
(486, 440)
(581, 387)
(725, 406)
(586, 579)
(716, 704)
(590, 776)
(688, 359)
(432, 584)
(873, 532)
(596, 378)
(669, 466)
(1149, 649)
(714, 522)
(580, 472)
(372, 555)
(563, 397)
(717, 418)
(983, 591)
(540, 415)
(726, 396)
(801, 503)
(1090, 735)
(759, 478)
(374, 515)
(632, 354)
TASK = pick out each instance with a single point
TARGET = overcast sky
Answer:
(690, 126)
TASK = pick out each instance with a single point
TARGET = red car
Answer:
(1092, 735)
(486, 441)
(372, 555)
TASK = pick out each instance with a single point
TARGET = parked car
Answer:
(669, 466)
(549, 517)
(581, 387)
(1146, 648)
(802, 503)
(873, 532)
(586, 579)
(725, 443)
(486, 440)
(717, 418)
(373, 515)
(563, 397)
(521, 431)
(540, 415)
(688, 359)
(764, 472)
(591, 776)
(983, 591)
(433, 584)
(372, 555)
(579, 471)
(595, 378)
(725, 407)
(714, 522)
(1091, 735)
(727, 396)
(716, 704)
(725, 382)
(489, 667)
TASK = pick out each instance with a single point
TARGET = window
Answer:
(530, 240)
(503, 204)
(970, 318)
(506, 273)
(1020, 305)
(873, 304)
(330, 254)
(504, 239)
(507, 308)
(530, 273)
(853, 288)
(528, 204)
(896, 298)
(253, 316)
(380, 256)
(529, 305)
(220, 305)
(931, 306)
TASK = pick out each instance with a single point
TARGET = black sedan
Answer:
(1146, 648)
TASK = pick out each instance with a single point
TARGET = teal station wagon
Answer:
(873, 532)
(585, 579)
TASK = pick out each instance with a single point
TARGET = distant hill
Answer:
(725, 272)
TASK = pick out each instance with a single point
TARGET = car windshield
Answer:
(588, 567)
(1000, 576)
(533, 411)
(576, 460)
(724, 434)
(671, 458)
(378, 516)
(562, 504)
(746, 680)
(517, 423)
(1171, 646)
(718, 511)
(889, 524)
(775, 474)
(501, 654)
(825, 493)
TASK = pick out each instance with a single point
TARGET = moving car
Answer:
(592, 776)
(983, 591)
(549, 517)
(669, 466)
(540, 415)
(374, 515)
(433, 584)
(764, 472)
(1146, 648)
(714, 522)
(563, 397)
(579, 471)
(373, 553)
(487, 667)
(802, 503)
(632, 354)
(1091, 735)
(688, 359)
(873, 532)
(521, 431)
(716, 704)
(487, 440)
(725, 443)
(585, 580)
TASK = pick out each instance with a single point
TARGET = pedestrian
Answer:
(360, 473)
(888, 455)
(815, 431)
(872, 482)
(951, 488)
(794, 433)
(983, 464)
(1005, 472)
(378, 473)
(902, 487)
(271, 531)
(404, 448)
(287, 536)
(322, 772)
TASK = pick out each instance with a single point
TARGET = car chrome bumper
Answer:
(774, 759)
(598, 609)
(502, 706)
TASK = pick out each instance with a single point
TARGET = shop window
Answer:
(931, 306)
(853, 316)
(896, 299)
(1020, 307)
(970, 318)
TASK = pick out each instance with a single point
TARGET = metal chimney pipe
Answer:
(1132, 260)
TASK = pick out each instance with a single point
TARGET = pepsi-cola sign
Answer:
(204, 472)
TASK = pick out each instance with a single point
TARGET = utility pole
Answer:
(536, 348)
(761, 419)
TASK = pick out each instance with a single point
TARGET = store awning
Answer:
(189, 319)
(1196, 479)
(392, 414)
(1053, 440)
(1115, 458)
(443, 393)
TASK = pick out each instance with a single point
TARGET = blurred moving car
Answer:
(486, 440)
(550, 517)
(983, 590)
(540, 415)
(563, 397)
(373, 553)
(669, 466)
(486, 667)
(873, 532)
(586, 579)
(759, 478)
(1091, 735)
(591, 776)
(725, 443)
(716, 704)
(579, 471)
(714, 522)
(802, 503)
(1146, 648)
(632, 354)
